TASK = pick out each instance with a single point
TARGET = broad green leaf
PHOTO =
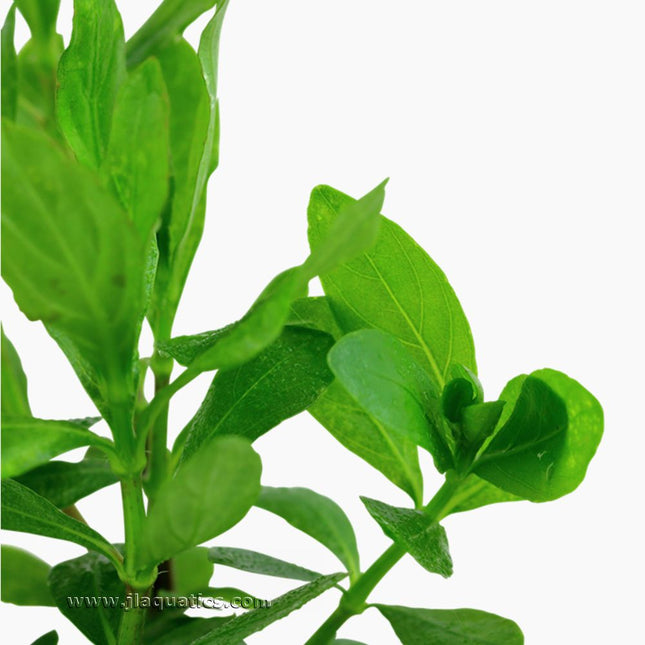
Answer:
(255, 562)
(423, 539)
(64, 483)
(137, 161)
(9, 67)
(317, 516)
(96, 594)
(25, 511)
(523, 453)
(408, 294)
(544, 445)
(451, 626)
(27, 443)
(50, 638)
(73, 261)
(389, 452)
(191, 571)
(15, 402)
(314, 313)
(181, 227)
(390, 385)
(209, 494)
(24, 578)
(257, 619)
(475, 492)
(478, 421)
(89, 75)
(41, 16)
(283, 380)
(168, 20)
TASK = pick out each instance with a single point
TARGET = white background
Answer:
(514, 137)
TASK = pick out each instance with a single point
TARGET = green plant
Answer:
(107, 149)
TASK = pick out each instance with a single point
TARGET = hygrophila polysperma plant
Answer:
(107, 148)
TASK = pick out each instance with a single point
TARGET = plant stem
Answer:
(353, 600)
(133, 620)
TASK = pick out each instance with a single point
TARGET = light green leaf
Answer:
(9, 66)
(475, 492)
(543, 447)
(137, 161)
(423, 539)
(388, 383)
(209, 494)
(317, 516)
(73, 261)
(169, 19)
(191, 571)
(64, 483)
(27, 443)
(25, 511)
(314, 313)
(451, 626)
(257, 619)
(24, 578)
(280, 382)
(409, 295)
(388, 451)
(255, 562)
(15, 402)
(50, 638)
(89, 75)
(41, 17)
(92, 582)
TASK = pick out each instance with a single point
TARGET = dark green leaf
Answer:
(15, 402)
(396, 457)
(184, 629)
(73, 260)
(96, 594)
(27, 443)
(89, 75)
(317, 516)
(280, 382)
(423, 539)
(456, 396)
(475, 492)
(255, 562)
(389, 384)
(25, 511)
(314, 313)
(168, 20)
(451, 626)
(345, 641)
(9, 67)
(191, 571)
(138, 153)
(63, 483)
(50, 638)
(210, 493)
(257, 619)
(41, 17)
(478, 421)
(24, 578)
(409, 295)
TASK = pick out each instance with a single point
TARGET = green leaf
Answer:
(183, 629)
(317, 516)
(209, 494)
(387, 451)
(388, 383)
(475, 492)
(354, 231)
(15, 402)
(280, 382)
(89, 75)
(409, 295)
(423, 539)
(191, 571)
(345, 641)
(25, 511)
(41, 17)
(96, 592)
(169, 19)
(314, 313)
(9, 67)
(257, 619)
(544, 445)
(24, 578)
(64, 483)
(50, 638)
(478, 421)
(73, 261)
(137, 161)
(182, 225)
(255, 562)
(451, 626)
(27, 443)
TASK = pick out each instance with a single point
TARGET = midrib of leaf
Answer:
(509, 452)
